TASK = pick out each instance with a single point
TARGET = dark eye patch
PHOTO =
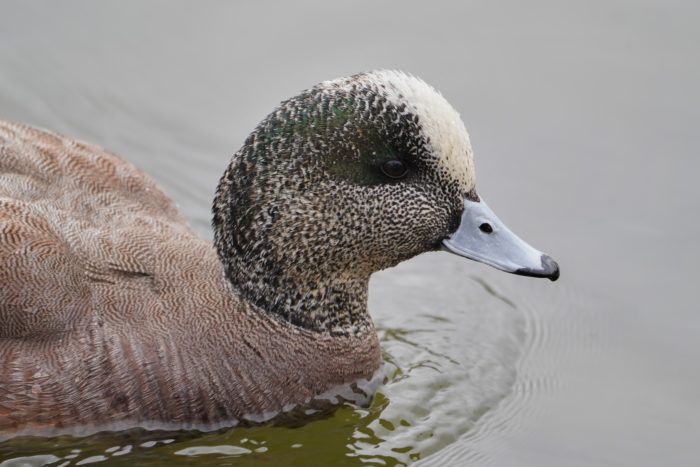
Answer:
(394, 168)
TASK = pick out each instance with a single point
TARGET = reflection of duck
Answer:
(114, 314)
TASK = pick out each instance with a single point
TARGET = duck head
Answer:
(350, 177)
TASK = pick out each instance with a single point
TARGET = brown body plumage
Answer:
(114, 313)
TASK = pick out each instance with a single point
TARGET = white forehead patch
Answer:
(441, 123)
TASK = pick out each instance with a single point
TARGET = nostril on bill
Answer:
(486, 228)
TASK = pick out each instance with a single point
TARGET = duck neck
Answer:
(280, 270)
(329, 305)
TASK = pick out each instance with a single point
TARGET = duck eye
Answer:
(394, 168)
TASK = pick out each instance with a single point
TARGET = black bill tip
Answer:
(550, 269)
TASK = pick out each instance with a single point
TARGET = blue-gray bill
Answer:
(482, 236)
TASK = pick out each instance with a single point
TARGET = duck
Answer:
(114, 314)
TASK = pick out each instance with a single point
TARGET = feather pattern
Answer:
(114, 313)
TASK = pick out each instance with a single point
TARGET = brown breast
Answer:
(113, 313)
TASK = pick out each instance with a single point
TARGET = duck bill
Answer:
(482, 236)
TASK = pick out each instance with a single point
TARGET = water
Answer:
(583, 118)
